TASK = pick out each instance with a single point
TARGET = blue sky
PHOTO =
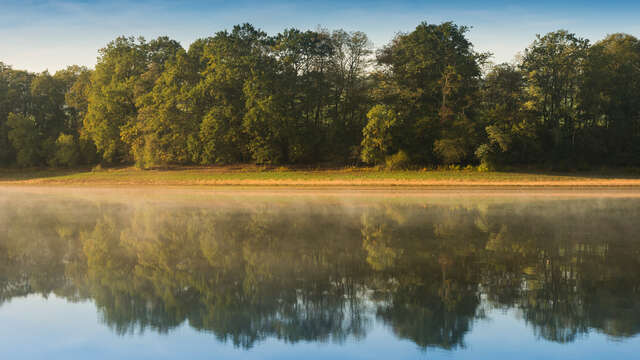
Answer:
(51, 34)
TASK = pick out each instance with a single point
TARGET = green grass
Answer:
(247, 175)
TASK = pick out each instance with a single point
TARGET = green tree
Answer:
(66, 152)
(266, 121)
(15, 97)
(47, 96)
(431, 76)
(76, 81)
(168, 118)
(306, 62)
(24, 137)
(112, 102)
(230, 57)
(349, 100)
(554, 67)
(609, 100)
(127, 69)
(510, 127)
(377, 141)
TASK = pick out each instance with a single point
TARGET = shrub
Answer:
(483, 167)
(450, 150)
(487, 156)
(492, 154)
(397, 161)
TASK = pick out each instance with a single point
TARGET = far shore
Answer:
(253, 176)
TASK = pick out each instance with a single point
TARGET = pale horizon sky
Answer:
(49, 35)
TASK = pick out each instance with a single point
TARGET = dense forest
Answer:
(326, 97)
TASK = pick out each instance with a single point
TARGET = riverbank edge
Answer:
(347, 177)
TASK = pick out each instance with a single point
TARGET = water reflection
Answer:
(327, 271)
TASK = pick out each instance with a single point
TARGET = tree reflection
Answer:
(325, 272)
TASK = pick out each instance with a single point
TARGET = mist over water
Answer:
(285, 274)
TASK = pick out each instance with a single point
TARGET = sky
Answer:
(39, 35)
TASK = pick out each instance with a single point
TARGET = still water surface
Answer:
(251, 275)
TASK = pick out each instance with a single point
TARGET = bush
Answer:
(451, 151)
(397, 161)
(487, 156)
(492, 154)
(484, 167)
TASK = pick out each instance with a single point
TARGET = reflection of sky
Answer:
(34, 328)
(41, 34)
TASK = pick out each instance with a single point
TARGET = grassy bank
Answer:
(251, 175)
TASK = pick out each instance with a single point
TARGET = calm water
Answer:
(258, 275)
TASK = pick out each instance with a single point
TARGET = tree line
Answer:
(427, 98)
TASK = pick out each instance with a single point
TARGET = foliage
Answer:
(431, 77)
(127, 69)
(376, 135)
(23, 136)
(320, 97)
(66, 153)
(450, 150)
(397, 161)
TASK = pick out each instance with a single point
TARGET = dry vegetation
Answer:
(259, 176)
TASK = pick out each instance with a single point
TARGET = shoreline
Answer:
(251, 196)
(329, 178)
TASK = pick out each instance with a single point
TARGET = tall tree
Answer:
(15, 97)
(349, 99)
(431, 77)
(127, 68)
(230, 57)
(25, 138)
(510, 128)
(610, 100)
(554, 67)
(169, 121)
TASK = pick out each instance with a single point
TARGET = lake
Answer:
(317, 274)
